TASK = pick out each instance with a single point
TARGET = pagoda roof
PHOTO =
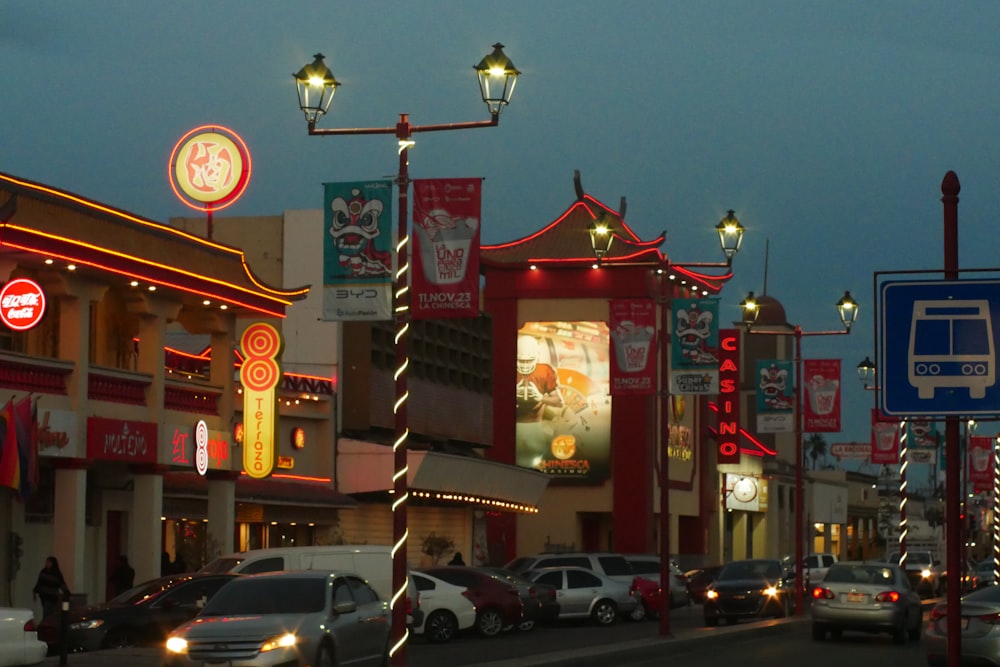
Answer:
(566, 242)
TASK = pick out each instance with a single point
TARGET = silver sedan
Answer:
(583, 593)
(866, 597)
(980, 623)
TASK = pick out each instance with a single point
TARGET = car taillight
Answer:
(939, 612)
(820, 593)
(30, 626)
(990, 619)
(887, 596)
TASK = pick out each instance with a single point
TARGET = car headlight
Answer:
(283, 641)
(925, 573)
(711, 595)
(177, 645)
(89, 624)
(770, 591)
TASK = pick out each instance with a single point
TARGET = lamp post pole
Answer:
(316, 86)
(848, 308)
(601, 238)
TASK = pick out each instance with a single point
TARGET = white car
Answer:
(19, 643)
(444, 608)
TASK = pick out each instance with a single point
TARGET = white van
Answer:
(371, 562)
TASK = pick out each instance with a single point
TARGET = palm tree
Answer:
(816, 445)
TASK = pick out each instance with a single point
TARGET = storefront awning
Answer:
(364, 467)
(269, 491)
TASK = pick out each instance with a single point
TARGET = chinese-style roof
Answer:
(41, 222)
(567, 241)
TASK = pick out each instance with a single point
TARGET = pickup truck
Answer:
(923, 571)
(816, 566)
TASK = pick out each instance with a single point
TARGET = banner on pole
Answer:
(775, 396)
(633, 349)
(821, 410)
(694, 349)
(885, 440)
(981, 461)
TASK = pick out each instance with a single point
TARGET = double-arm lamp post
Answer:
(848, 309)
(730, 237)
(316, 86)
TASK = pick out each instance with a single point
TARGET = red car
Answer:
(498, 604)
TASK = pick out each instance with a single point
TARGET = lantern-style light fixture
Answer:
(866, 372)
(601, 238)
(848, 309)
(497, 76)
(730, 235)
(751, 309)
(316, 86)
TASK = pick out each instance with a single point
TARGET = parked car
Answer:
(538, 600)
(985, 573)
(923, 570)
(144, 614)
(286, 618)
(816, 566)
(699, 579)
(980, 639)
(866, 597)
(583, 593)
(445, 608)
(649, 566)
(498, 604)
(748, 589)
(19, 643)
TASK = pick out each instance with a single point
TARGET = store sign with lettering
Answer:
(22, 304)
(184, 446)
(56, 433)
(260, 374)
(729, 396)
(121, 440)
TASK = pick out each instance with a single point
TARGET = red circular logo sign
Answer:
(22, 304)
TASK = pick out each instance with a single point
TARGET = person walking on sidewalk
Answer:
(50, 586)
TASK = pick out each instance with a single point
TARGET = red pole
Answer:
(799, 485)
(401, 314)
(950, 188)
(663, 441)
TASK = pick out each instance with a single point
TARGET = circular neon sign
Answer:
(22, 304)
(210, 168)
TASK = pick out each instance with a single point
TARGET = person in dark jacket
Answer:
(456, 559)
(123, 578)
(50, 586)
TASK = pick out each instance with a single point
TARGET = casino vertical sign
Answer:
(260, 374)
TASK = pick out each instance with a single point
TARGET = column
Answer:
(221, 513)
(69, 524)
(146, 529)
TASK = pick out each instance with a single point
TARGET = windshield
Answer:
(221, 565)
(751, 569)
(271, 595)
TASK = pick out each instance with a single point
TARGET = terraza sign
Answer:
(22, 304)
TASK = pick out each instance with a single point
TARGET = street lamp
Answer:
(847, 307)
(601, 237)
(316, 86)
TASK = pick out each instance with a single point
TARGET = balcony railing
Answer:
(34, 374)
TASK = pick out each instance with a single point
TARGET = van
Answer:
(371, 562)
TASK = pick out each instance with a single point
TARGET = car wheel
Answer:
(782, 608)
(914, 632)
(489, 623)
(440, 627)
(639, 613)
(526, 626)
(899, 633)
(325, 657)
(604, 612)
(819, 632)
(711, 621)
(119, 638)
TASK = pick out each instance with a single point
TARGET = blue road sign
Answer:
(938, 348)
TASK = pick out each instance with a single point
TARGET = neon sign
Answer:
(729, 396)
(22, 304)
(210, 168)
(260, 374)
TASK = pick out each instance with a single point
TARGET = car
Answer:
(583, 593)
(19, 643)
(297, 618)
(498, 603)
(649, 566)
(699, 579)
(866, 596)
(923, 570)
(816, 566)
(539, 601)
(980, 638)
(754, 588)
(142, 615)
(445, 608)
(985, 575)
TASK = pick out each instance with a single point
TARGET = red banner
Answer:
(821, 380)
(445, 277)
(120, 440)
(981, 461)
(885, 440)
(633, 347)
(729, 396)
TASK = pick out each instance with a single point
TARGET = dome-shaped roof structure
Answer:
(771, 312)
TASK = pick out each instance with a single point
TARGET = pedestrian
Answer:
(456, 559)
(166, 567)
(50, 586)
(123, 577)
